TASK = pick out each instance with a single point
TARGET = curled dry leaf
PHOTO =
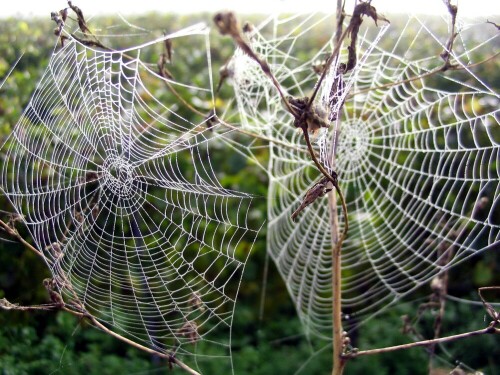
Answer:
(55, 250)
(227, 23)
(316, 117)
(196, 302)
(495, 315)
(81, 19)
(318, 190)
(51, 287)
(190, 330)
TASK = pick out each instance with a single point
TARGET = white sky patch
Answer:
(29, 8)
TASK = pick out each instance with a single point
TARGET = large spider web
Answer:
(417, 161)
(112, 175)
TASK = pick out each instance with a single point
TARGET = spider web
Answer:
(112, 175)
(417, 162)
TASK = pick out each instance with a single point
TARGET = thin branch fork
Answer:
(15, 234)
(491, 329)
(227, 24)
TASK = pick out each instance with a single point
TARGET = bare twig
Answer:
(340, 20)
(353, 28)
(14, 233)
(302, 109)
(491, 329)
(494, 24)
(227, 24)
(90, 42)
(439, 285)
(339, 361)
(439, 69)
(485, 331)
(328, 63)
(495, 315)
(363, 8)
(331, 177)
(6, 305)
(82, 24)
(336, 272)
(171, 357)
(446, 54)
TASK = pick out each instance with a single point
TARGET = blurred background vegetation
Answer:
(267, 337)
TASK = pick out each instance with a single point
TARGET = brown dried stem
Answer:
(337, 329)
(328, 63)
(6, 305)
(170, 357)
(363, 8)
(227, 24)
(332, 179)
(495, 315)
(485, 331)
(440, 284)
(90, 42)
(494, 24)
(352, 29)
(446, 54)
(15, 234)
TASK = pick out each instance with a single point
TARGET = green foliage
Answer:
(63, 347)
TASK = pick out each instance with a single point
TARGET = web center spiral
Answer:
(119, 176)
(353, 146)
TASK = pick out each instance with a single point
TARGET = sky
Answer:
(29, 8)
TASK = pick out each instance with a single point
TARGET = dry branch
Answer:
(485, 331)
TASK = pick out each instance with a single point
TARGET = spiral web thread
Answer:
(418, 163)
(118, 190)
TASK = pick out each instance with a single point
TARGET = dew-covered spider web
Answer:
(114, 176)
(417, 158)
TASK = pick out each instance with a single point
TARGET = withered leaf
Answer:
(318, 190)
